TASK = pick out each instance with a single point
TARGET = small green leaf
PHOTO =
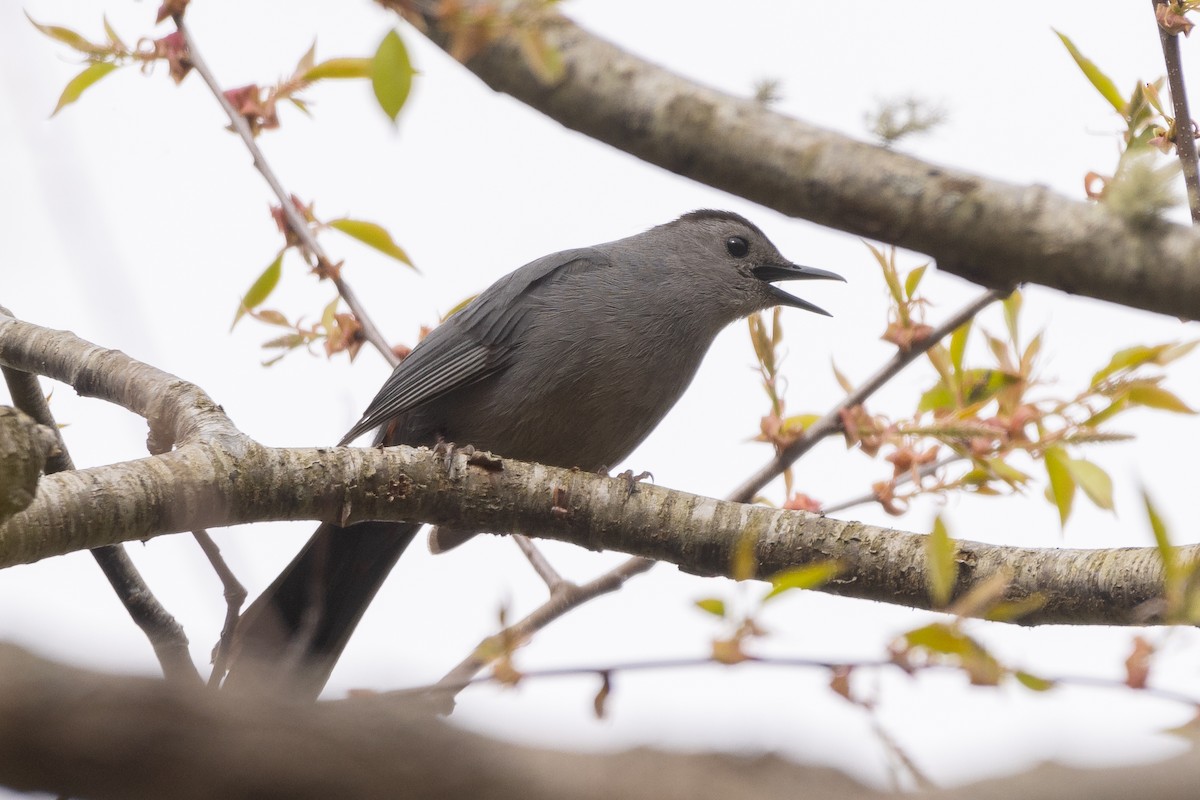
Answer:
(1162, 540)
(1013, 610)
(1005, 471)
(1132, 357)
(1118, 404)
(391, 74)
(937, 398)
(339, 69)
(68, 37)
(307, 60)
(958, 346)
(940, 564)
(111, 33)
(1012, 311)
(712, 605)
(1062, 485)
(329, 313)
(939, 638)
(540, 56)
(81, 82)
(371, 235)
(798, 423)
(842, 380)
(745, 557)
(1033, 682)
(914, 280)
(809, 576)
(1153, 396)
(1094, 481)
(1103, 84)
(261, 289)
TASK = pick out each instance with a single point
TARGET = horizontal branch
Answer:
(83, 734)
(219, 477)
(203, 486)
(992, 232)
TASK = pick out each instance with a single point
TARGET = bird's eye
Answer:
(736, 246)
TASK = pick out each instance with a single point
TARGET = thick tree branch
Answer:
(226, 478)
(160, 627)
(24, 448)
(84, 734)
(988, 231)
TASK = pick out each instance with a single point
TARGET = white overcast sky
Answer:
(136, 221)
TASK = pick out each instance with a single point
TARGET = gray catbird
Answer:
(571, 361)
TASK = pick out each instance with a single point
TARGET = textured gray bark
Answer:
(995, 233)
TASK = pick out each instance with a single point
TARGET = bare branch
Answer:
(1185, 129)
(988, 231)
(165, 633)
(203, 484)
(312, 248)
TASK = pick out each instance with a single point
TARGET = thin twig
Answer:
(832, 421)
(791, 662)
(565, 598)
(235, 596)
(312, 249)
(539, 562)
(924, 471)
(165, 633)
(1185, 130)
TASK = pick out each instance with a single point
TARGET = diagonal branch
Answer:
(166, 635)
(312, 249)
(832, 421)
(988, 231)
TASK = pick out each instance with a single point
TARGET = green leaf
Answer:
(1162, 540)
(68, 37)
(261, 289)
(1012, 311)
(940, 564)
(111, 33)
(914, 280)
(391, 74)
(1005, 471)
(809, 576)
(540, 56)
(1103, 84)
(937, 398)
(1062, 485)
(979, 385)
(1118, 404)
(371, 235)
(842, 380)
(1153, 396)
(940, 638)
(1132, 357)
(958, 346)
(1094, 481)
(1033, 682)
(712, 605)
(339, 69)
(81, 82)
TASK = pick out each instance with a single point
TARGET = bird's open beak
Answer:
(769, 273)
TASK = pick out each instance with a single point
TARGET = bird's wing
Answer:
(469, 346)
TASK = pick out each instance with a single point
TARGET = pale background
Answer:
(134, 220)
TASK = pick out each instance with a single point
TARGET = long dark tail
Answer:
(290, 638)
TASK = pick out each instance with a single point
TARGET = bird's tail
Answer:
(290, 638)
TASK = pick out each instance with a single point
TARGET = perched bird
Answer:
(570, 361)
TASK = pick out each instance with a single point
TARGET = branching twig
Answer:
(311, 248)
(1185, 138)
(787, 662)
(163, 630)
(235, 596)
(539, 562)
(566, 597)
(924, 471)
(832, 421)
